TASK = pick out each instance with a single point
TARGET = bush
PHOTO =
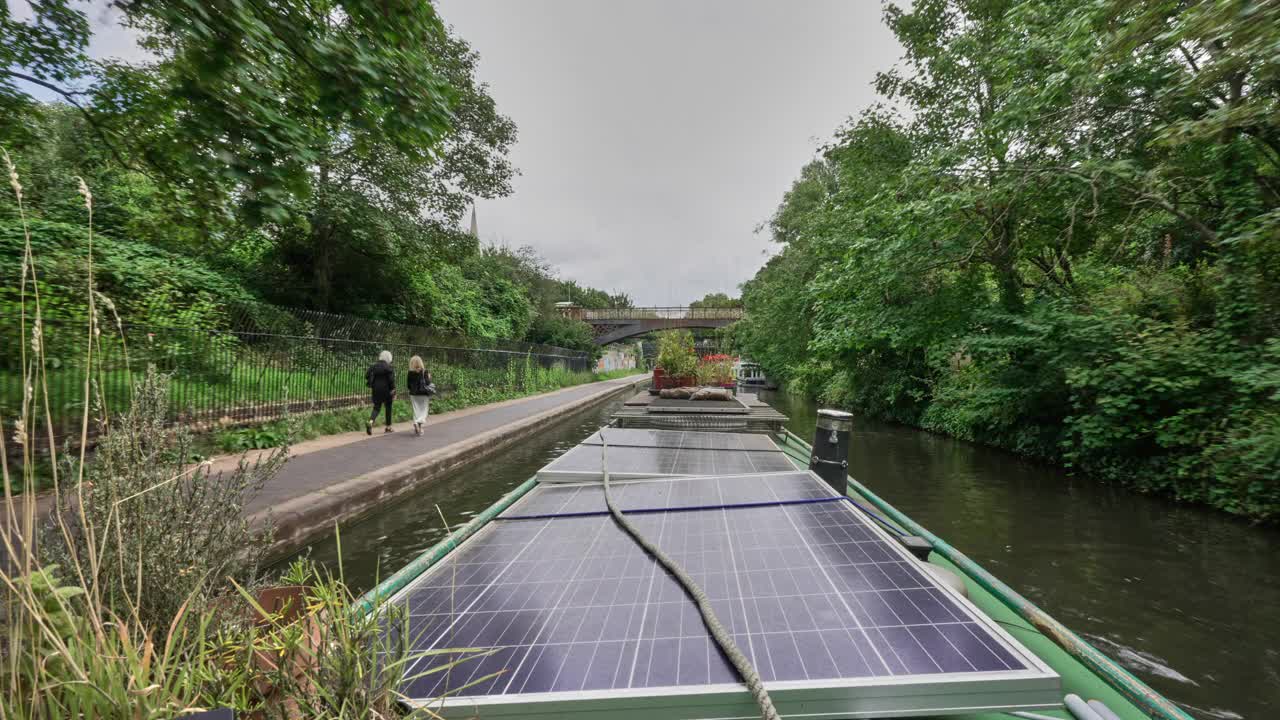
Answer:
(167, 531)
(715, 370)
(147, 285)
(676, 355)
(1192, 413)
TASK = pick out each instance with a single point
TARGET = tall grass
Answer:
(139, 599)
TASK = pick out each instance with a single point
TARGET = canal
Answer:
(1186, 598)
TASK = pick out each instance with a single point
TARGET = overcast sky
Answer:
(655, 137)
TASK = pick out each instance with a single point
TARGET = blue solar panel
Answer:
(689, 440)
(572, 499)
(813, 594)
(585, 462)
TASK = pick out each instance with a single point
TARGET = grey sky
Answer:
(655, 137)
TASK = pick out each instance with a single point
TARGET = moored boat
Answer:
(751, 376)
(529, 576)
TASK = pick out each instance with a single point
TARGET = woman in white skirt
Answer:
(420, 391)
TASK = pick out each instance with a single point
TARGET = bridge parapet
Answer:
(652, 313)
(614, 324)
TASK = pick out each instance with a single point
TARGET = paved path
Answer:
(339, 478)
(350, 455)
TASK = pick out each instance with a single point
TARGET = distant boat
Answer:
(751, 375)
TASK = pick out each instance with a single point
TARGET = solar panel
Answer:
(584, 463)
(689, 440)
(839, 620)
(651, 495)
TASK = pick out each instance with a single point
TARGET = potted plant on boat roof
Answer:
(677, 361)
(716, 370)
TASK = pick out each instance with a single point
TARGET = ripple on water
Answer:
(1138, 660)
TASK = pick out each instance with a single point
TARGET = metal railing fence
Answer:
(654, 313)
(270, 363)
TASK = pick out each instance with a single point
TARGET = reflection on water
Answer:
(1188, 599)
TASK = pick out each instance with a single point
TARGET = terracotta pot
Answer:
(290, 600)
(284, 605)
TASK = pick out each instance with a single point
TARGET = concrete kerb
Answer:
(302, 519)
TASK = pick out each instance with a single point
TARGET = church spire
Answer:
(475, 233)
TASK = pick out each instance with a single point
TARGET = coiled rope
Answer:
(747, 671)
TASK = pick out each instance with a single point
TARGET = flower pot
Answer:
(663, 381)
(283, 608)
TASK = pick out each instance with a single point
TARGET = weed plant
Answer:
(138, 599)
(676, 354)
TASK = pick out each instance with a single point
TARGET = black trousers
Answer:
(379, 403)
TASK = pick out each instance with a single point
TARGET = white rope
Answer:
(747, 671)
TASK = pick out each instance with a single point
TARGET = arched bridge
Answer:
(614, 324)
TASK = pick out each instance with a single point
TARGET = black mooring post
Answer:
(830, 458)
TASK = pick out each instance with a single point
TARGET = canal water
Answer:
(1186, 598)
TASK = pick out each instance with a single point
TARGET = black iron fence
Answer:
(266, 364)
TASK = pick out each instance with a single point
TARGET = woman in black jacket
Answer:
(381, 379)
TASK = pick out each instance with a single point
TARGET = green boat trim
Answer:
(1084, 670)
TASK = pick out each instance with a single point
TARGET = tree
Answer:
(324, 153)
(245, 98)
(716, 300)
(1058, 236)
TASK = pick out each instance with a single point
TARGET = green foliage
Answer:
(253, 438)
(1061, 241)
(330, 660)
(143, 499)
(715, 370)
(244, 99)
(68, 656)
(676, 354)
(716, 300)
(555, 329)
(147, 285)
(341, 193)
(460, 387)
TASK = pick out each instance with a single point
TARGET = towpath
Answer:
(338, 478)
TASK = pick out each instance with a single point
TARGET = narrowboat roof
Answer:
(536, 562)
